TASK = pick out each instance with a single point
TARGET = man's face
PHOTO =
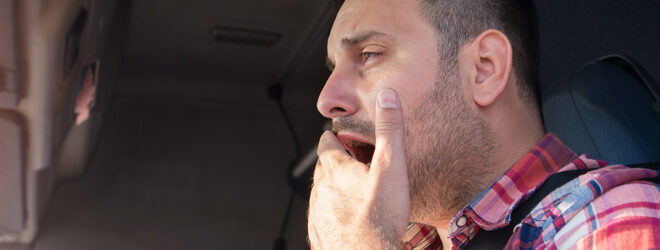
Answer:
(377, 44)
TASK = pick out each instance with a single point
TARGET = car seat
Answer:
(608, 109)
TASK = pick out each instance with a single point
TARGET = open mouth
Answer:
(361, 149)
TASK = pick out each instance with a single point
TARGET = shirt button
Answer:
(461, 221)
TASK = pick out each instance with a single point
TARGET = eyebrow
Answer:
(348, 42)
(361, 37)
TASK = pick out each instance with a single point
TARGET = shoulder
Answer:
(605, 205)
(625, 216)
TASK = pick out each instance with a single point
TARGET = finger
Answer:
(313, 189)
(317, 170)
(318, 174)
(331, 150)
(388, 171)
(389, 153)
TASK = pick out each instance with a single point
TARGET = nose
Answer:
(338, 97)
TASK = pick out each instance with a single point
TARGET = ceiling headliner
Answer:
(172, 37)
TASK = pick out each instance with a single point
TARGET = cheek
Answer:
(413, 82)
(411, 90)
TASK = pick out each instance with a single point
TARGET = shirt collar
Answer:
(492, 208)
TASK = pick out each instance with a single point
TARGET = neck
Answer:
(516, 127)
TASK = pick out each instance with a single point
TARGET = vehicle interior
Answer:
(144, 124)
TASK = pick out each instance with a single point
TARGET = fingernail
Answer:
(387, 99)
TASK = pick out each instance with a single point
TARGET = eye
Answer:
(368, 55)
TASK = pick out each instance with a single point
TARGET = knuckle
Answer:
(388, 126)
(341, 159)
(334, 157)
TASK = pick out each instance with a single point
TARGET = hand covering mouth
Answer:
(360, 148)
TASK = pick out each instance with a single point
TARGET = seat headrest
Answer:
(606, 110)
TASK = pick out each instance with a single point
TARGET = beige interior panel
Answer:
(56, 146)
(41, 28)
(11, 176)
(8, 87)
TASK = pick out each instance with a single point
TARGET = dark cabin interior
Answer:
(192, 150)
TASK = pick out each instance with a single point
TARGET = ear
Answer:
(491, 56)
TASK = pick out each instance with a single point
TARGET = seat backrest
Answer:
(607, 109)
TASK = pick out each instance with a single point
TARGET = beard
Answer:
(448, 150)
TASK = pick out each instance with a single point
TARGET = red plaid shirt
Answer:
(610, 207)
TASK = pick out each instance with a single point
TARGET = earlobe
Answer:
(493, 63)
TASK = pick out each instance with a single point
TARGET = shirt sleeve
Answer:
(421, 237)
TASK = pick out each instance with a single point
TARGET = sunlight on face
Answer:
(376, 44)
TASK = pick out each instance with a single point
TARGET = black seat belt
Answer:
(498, 238)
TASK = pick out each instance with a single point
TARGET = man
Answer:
(436, 121)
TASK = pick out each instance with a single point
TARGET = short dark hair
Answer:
(460, 21)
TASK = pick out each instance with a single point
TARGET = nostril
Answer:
(337, 109)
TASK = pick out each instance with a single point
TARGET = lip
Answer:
(346, 138)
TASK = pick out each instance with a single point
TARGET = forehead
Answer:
(397, 18)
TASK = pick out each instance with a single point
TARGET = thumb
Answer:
(388, 169)
(389, 153)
